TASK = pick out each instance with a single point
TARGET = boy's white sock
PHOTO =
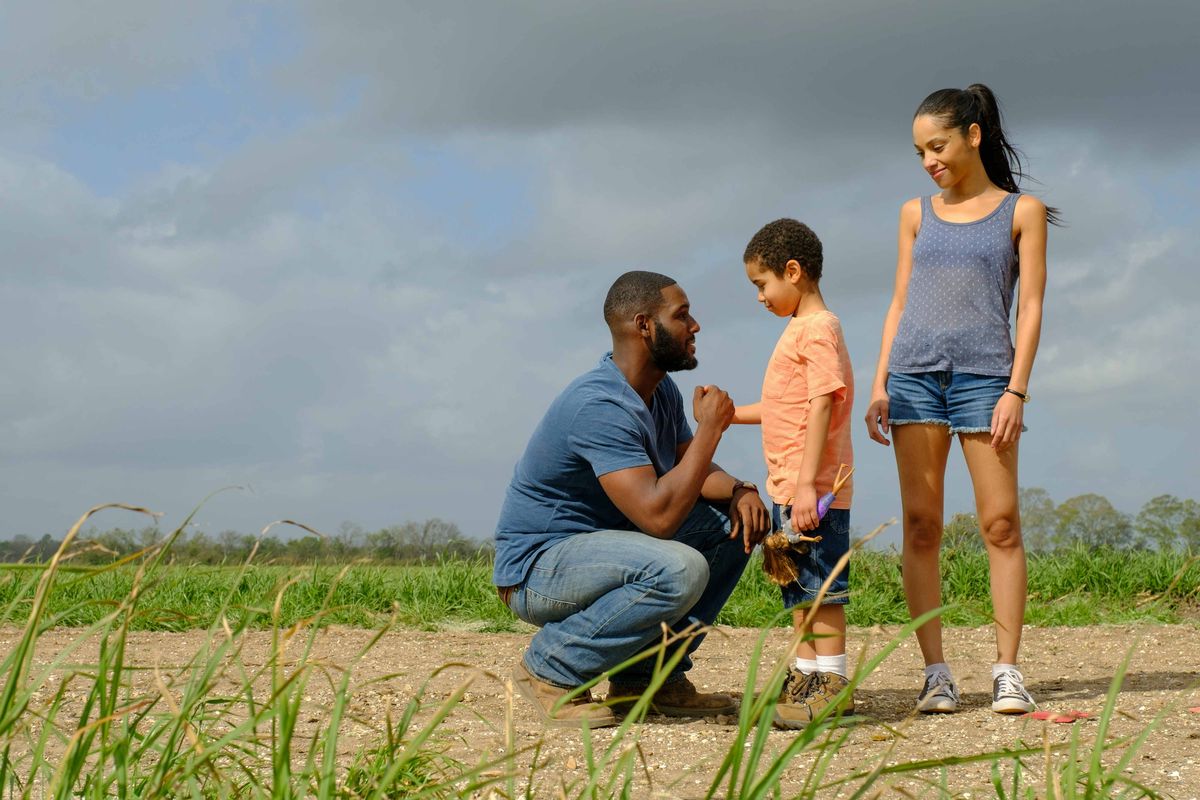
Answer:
(835, 664)
(806, 665)
(998, 668)
(932, 669)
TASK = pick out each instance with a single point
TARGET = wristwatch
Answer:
(740, 484)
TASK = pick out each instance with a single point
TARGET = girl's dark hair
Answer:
(960, 108)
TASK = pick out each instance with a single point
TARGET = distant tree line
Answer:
(410, 542)
(1165, 522)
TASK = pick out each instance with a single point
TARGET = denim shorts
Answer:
(961, 401)
(815, 565)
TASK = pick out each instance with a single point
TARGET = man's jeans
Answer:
(600, 598)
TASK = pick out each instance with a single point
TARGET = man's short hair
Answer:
(782, 241)
(636, 292)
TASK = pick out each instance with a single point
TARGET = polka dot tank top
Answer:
(960, 294)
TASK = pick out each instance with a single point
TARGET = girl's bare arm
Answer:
(877, 411)
(1030, 228)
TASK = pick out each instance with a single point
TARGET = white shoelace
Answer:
(1012, 683)
(941, 683)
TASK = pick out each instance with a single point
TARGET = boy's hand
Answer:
(877, 417)
(749, 518)
(804, 509)
(711, 405)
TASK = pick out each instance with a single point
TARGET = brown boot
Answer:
(679, 698)
(804, 697)
(556, 712)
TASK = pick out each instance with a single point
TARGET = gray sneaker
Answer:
(1009, 695)
(940, 695)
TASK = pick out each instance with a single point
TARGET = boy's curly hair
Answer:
(783, 240)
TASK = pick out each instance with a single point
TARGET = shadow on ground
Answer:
(893, 705)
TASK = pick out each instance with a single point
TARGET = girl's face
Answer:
(779, 294)
(947, 154)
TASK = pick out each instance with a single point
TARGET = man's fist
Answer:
(712, 406)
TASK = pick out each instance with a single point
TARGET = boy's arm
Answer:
(804, 501)
(748, 415)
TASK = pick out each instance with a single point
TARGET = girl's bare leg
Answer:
(921, 453)
(994, 477)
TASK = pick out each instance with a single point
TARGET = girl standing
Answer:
(947, 366)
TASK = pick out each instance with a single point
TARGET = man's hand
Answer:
(804, 509)
(711, 406)
(748, 518)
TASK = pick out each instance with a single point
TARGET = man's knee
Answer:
(683, 576)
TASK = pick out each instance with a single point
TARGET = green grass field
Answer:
(226, 726)
(1074, 587)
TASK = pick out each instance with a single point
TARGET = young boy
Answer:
(807, 395)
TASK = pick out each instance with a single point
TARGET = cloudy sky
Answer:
(343, 255)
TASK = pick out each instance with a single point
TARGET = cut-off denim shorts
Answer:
(816, 564)
(961, 401)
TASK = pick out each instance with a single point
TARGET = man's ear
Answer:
(642, 323)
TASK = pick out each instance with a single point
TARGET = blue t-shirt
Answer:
(597, 425)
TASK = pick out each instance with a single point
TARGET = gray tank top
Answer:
(960, 293)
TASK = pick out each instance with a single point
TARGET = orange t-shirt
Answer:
(810, 360)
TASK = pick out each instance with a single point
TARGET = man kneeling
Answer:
(613, 522)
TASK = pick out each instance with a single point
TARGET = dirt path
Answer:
(1066, 668)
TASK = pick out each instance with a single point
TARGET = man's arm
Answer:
(659, 505)
(748, 517)
(718, 484)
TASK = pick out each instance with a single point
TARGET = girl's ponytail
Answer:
(978, 105)
(1000, 159)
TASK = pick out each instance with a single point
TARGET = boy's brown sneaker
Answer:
(807, 696)
(679, 698)
(578, 712)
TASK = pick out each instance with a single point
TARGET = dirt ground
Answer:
(1067, 669)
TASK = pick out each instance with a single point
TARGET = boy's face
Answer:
(780, 294)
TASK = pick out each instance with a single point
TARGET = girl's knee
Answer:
(922, 531)
(1002, 533)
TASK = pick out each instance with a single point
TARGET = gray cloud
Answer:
(336, 319)
(51, 53)
(533, 66)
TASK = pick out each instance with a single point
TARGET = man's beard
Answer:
(670, 354)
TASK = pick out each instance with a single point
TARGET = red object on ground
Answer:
(1053, 716)
(1195, 709)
